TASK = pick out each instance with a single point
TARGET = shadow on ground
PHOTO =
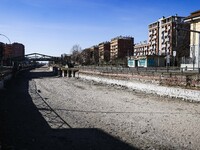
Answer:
(22, 127)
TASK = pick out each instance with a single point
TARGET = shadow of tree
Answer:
(23, 127)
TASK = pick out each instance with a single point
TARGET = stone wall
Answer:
(185, 80)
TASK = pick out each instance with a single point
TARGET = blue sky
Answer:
(52, 27)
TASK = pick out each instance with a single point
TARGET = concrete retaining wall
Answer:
(186, 80)
(148, 86)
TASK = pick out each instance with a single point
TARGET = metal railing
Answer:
(187, 60)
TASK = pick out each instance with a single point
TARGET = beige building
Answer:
(121, 47)
(141, 49)
(153, 38)
(194, 60)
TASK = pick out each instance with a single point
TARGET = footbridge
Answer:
(36, 57)
(60, 66)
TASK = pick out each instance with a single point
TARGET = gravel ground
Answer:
(82, 114)
(142, 120)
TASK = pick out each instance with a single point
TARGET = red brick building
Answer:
(121, 47)
(104, 52)
(8, 51)
(18, 50)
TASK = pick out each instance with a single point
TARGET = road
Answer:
(48, 112)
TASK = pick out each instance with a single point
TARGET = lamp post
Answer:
(6, 38)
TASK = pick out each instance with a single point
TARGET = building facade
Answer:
(8, 51)
(90, 56)
(18, 50)
(141, 49)
(121, 47)
(94, 54)
(165, 39)
(146, 61)
(153, 38)
(194, 61)
(104, 52)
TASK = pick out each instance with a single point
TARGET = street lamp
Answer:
(6, 37)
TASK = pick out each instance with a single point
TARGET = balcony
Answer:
(154, 42)
(163, 45)
(154, 37)
(167, 40)
(165, 34)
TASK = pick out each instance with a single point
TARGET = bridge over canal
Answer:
(57, 63)
(37, 57)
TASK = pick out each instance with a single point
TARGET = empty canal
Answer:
(42, 111)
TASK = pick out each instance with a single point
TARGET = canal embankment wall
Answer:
(174, 85)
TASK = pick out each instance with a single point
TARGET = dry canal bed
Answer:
(81, 114)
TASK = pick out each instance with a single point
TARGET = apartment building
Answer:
(8, 51)
(121, 47)
(18, 50)
(164, 39)
(90, 55)
(153, 39)
(141, 49)
(13, 50)
(104, 52)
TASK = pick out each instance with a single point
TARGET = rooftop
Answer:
(193, 15)
(122, 37)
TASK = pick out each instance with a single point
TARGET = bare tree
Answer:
(76, 54)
